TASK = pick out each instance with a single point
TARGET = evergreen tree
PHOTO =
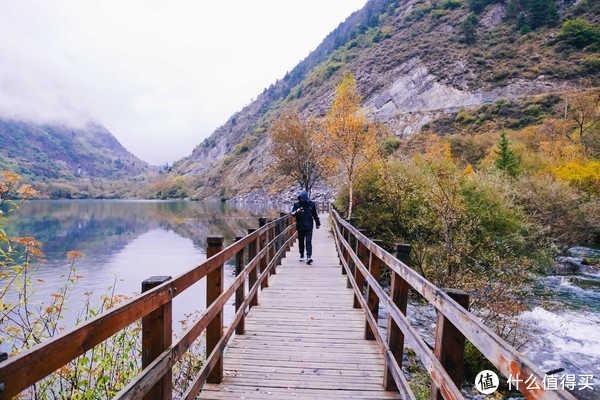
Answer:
(541, 13)
(522, 25)
(469, 29)
(511, 10)
(506, 161)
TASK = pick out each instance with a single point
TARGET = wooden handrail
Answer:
(505, 358)
(25, 369)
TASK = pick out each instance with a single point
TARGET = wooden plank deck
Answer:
(304, 340)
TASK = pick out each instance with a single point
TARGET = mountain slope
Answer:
(50, 152)
(414, 61)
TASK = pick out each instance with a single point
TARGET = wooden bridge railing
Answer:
(265, 247)
(361, 260)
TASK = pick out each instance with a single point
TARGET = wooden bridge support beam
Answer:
(399, 295)
(214, 288)
(450, 343)
(157, 336)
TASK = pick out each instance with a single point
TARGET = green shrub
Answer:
(436, 14)
(580, 33)
(450, 4)
(391, 145)
(590, 65)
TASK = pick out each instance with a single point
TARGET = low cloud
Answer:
(160, 75)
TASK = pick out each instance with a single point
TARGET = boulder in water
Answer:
(587, 255)
(567, 266)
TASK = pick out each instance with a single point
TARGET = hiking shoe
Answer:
(301, 258)
(310, 261)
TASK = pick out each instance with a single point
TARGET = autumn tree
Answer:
(347, 138)
(583, 110)
(296, 152)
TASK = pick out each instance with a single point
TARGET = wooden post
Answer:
(372, 299)
(282, 226)
(157, 336)
(273, 247)
(264, 260)
(240, 293)
(253, 275)
(290, 221)
(352, 243)
(399, 296)
(361, 252)
(450, 343)
(214, 288)
(344, 233)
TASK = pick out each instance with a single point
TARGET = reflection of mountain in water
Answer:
(101, 226)
(125, 242)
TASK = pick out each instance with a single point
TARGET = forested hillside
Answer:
(62, 161)
(414, 61)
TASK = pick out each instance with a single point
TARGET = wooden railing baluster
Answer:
(372, 299)
(157, 336)
(361, 251)
(450, 343)
(264, 260)
(399, 296)
(253, 275)
(214, 288)
(240, 293)
(273, 248)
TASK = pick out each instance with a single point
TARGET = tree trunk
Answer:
(350, 198)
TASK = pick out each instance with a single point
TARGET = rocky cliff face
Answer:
(412, 65)
(415, 96)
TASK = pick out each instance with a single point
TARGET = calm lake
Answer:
(125, 242)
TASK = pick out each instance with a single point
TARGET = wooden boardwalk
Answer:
(304, 340)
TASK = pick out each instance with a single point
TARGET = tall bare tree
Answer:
(296, 152)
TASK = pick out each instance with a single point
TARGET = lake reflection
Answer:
(125, 242)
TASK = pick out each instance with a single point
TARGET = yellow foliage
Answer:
(585, 175)
(11, 178)
(561, 152)
(349, 141)
(73, 255)
(439, 149)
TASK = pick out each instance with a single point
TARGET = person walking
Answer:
(305, 212)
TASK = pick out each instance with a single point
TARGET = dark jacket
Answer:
(304, 218)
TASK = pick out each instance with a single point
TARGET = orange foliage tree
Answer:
(296, 153)
(347, 138)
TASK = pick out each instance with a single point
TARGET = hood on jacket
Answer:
(303, 195)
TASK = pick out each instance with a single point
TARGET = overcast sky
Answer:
(160, 75)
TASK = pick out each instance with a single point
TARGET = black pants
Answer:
(305, 235)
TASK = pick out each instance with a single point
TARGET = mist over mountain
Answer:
(43, 152)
